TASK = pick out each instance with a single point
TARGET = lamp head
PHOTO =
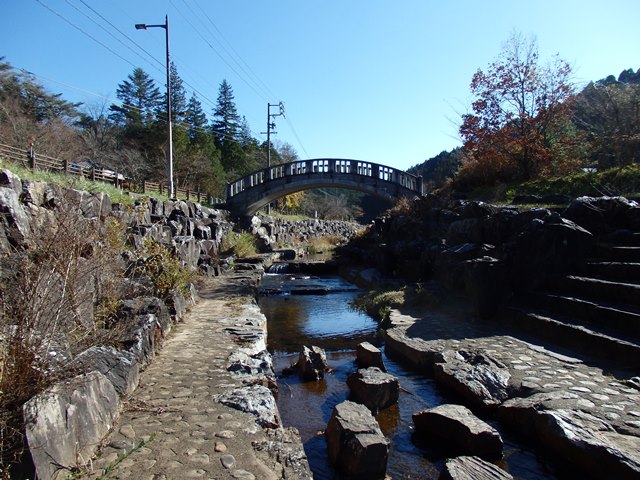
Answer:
(141, 26)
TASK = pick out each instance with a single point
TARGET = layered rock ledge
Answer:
(576, 411)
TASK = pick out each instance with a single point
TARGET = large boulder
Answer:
(356, 445)
(256, 400)
(603, 214)
(548, 246)
(120, 367)
(141, 337)
(457, 430)
(65, 424)
(474, 376)
(374, 388)
(15, 222)
(312, 363)
(472, 468)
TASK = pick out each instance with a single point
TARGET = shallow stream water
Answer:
(327, 320)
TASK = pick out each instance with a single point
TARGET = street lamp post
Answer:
(143, 26)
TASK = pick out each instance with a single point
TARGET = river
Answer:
(305, 310)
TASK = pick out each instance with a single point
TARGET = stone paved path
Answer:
(186, 433)
(583, 413)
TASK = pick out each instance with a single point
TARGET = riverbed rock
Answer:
(456, 429)
(476, 377)
(312, 363)
(65, 424)
(374, 388)
(472, 468)
(355, 442)
(368, 355)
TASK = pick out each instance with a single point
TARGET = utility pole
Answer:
(144, 26)
(271, 125)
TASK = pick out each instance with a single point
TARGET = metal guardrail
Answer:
(326, 165)
(27, 158)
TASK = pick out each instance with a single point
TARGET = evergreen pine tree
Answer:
(178, 98)
(196, 119)
(140, 97)
(226, 121)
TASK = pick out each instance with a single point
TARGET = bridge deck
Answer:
(262, 186)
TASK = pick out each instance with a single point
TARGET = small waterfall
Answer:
(281, 267)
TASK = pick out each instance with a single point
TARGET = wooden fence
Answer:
(27, 158)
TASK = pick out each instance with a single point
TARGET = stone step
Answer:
(617, 271)
(616, 319)
(595, 289)
(621, 238)
(617, 253)
(577, 338)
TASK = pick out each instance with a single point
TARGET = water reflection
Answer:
(329, 322)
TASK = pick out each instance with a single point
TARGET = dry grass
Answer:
(49, 288)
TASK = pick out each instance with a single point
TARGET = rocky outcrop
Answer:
(595, 441)
(356, 444)
(472, 468)
(274, 231)
(455, 429)
(374, 388)
(66, 423)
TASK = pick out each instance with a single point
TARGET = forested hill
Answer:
(604, 122)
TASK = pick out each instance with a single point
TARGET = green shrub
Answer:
(378, 304)
(240, 244)
(164, 269)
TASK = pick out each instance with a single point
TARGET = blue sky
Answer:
(363, 79)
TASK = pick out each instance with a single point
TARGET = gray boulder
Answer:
(312, 363)
(140, 337)
(256, 400)
(373, 388)
(120, 368)
(368, 355)
(15, 221)
(475, 376)
(472, 468)
(457, 430)
(355, 442)
(65, 424)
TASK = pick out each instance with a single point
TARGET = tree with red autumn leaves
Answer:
(520, 126)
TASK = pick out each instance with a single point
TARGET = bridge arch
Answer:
(248, 194)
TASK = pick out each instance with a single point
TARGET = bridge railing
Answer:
(326, 165)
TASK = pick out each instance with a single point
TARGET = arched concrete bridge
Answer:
(251, 192)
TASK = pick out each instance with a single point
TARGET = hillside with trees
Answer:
(527, 122)
(129, 136)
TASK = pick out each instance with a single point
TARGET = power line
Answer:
(85, 33)
(233, 56)
(110, 34)
(295, 134)
(121, 32)
(267, 89)
(134, 43)
(240, 76)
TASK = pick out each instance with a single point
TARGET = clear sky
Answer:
(364, 79)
